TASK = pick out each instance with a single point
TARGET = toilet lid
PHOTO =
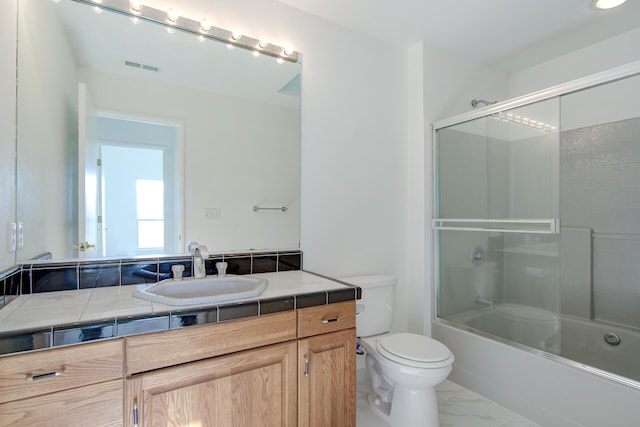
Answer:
(415, 350)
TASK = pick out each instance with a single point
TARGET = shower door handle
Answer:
(530, 226)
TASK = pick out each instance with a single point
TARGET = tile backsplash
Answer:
(58, 276)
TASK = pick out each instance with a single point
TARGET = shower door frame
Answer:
(618, 73)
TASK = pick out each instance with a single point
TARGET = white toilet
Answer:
(404, 367)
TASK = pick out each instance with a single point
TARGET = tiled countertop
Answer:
(56, 318)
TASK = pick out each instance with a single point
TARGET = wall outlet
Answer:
(212, 214)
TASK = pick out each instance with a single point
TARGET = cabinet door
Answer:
(96, 405)
(250, 388)
(327, 383)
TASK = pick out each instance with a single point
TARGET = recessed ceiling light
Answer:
(607, 4)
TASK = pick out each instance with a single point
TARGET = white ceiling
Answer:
(508, 34)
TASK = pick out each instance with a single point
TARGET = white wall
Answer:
(354, 131)
(7, 127)
(598, 57)
(450, 83)
(48, 140)
(418, 250)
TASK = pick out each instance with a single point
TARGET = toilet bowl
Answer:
(404, 367)
(404, 370)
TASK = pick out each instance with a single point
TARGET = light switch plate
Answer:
(212, 214)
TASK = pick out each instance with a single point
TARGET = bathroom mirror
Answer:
(134, 138)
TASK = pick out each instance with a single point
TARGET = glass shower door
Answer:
(495, 221)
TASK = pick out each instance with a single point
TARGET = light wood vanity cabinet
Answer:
(63, 386)
(294, 368)
(286, 369)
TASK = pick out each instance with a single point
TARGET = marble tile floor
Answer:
(458, 407)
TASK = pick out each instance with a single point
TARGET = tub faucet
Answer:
(482, 301)
(200, 255)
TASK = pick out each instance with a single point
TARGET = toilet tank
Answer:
(374, 312)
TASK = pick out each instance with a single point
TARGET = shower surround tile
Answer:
(600, 189)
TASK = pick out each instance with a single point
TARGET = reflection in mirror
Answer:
(135, 140)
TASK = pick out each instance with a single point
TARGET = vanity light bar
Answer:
(157, 16)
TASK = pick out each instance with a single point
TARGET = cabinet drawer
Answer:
(96, 405)
(168, 348)
(326, 318)
(47, 371)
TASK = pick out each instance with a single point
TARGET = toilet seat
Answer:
(415, 350)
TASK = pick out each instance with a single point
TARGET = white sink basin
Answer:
(208, 290)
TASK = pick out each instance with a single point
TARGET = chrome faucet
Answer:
(200, 255)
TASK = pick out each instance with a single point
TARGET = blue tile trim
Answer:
(26, 340)
(311, 300)
(47, 276)
(81, 333)
(193, 318)
(237, 311)
(141, 325)
(276, 305)
(9, 285)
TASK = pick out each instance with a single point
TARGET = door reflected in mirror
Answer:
(138, 186)
(133, 140)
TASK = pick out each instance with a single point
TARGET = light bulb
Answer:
(263, 44)
(172, 16)
(236, 36)
(135, 5)
(287, 51)
(607, 4)
(205, 25)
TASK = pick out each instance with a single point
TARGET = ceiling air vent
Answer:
(141, 66)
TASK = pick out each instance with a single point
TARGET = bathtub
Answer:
(530, 326)
(579, 340)
(584, 341)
